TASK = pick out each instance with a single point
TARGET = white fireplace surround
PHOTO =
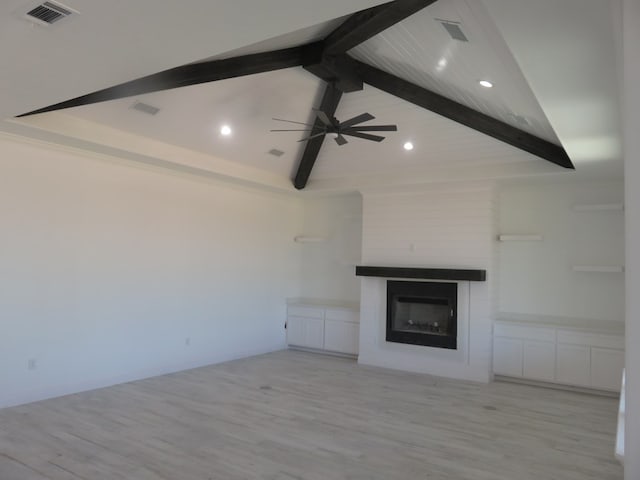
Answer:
(376, 351)
(379, 324)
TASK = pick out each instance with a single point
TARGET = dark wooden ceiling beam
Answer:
(332, 69)
(192, 74)
(326, 59)
(329, 104)
(363, 25)
(462, 114)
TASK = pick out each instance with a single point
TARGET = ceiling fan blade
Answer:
(363, 117)
(373, 128)
(291, 121)
(312, 136)
(366, 136)
(323, 117)
(340, 140)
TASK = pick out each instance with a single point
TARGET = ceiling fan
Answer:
(330, 125)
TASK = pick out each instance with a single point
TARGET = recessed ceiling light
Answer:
(486, 83)
(441, 65)
(225, 130)
(408, 146)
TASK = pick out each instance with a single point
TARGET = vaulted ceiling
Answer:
(553, 66)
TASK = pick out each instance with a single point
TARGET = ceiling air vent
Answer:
(275, 152)
(454, 30)
(49, 12)
(145, 108)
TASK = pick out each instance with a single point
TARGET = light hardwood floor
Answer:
(293, 415)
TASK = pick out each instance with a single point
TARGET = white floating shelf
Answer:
(519, 238)
(598, 207)
(307, 239)
(598, 268)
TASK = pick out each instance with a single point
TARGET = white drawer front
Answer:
(342, 315)
(308, 312)
(542, 334)
(591, 339)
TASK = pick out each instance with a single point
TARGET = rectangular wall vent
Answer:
(454, 30)
(49, 13)
(145, 108)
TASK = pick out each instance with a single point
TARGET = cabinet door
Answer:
(539, 360)
(296, 331)
(573, 364)
(341, 336)
(507, 357)
(314, 333)
(606, 368)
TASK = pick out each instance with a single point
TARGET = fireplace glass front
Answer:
(422, 313)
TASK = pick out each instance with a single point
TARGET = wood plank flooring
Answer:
(294, 415)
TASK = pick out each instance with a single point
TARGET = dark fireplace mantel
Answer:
(422, 273)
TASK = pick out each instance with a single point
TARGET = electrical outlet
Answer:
(32, 364)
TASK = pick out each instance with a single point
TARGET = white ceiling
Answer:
(110, 42)
(569, 52)
(420, 50)
(520, 47)
(192, 117)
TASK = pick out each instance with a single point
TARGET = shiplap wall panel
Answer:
(438, 227)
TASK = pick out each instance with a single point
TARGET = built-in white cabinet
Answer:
(553, 353)
(341, 336)
(539, 360)
(573, 365)
(590, 359)
(331, 327)
(606, 368)
(305, 332)
(507, 356)
(521, 351)
(305, 326)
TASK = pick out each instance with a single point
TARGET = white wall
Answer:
(440, 226)
(108, 268)
(631, 102)
(328, 268)
(536, 277)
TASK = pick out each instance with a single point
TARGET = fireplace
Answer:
(422, 313)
